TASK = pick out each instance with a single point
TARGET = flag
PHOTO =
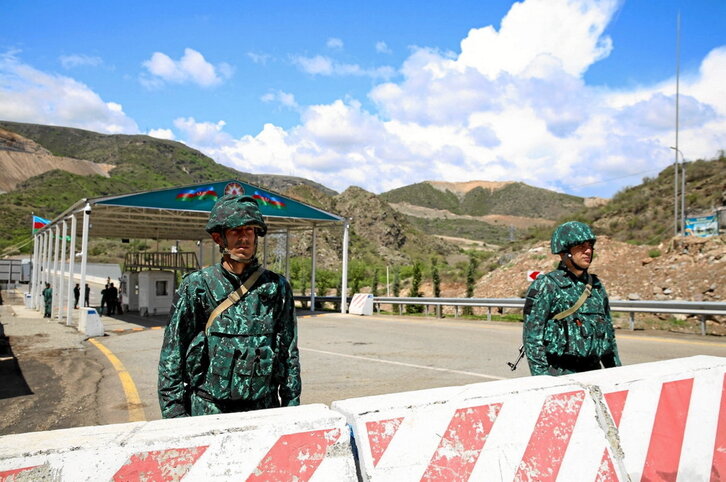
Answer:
(197, 195)
(39, 223)
(268, 200)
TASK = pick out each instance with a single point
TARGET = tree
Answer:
(470, 282)
(415, 286)
(396, 288)
(374, 282)
(436, 281)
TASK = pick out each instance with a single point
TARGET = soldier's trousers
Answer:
(566, 364)
(202, 404)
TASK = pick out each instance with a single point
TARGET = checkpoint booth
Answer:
(179, 214)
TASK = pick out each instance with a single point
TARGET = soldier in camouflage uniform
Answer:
(583, 340)
(247, 358)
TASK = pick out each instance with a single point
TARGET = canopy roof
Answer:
(182, 212)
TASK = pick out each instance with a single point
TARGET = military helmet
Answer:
(234, 210)
(570, 234)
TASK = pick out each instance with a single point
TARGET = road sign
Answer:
(532, 275)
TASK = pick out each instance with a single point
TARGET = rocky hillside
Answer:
(489, 211)
(46, 169)
(21, 159)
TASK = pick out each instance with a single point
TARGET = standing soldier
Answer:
(567, 324)
(48, 300)
(231, 341)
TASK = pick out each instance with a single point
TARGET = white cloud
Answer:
(511, 105)
(334, 43)
(382, 48)
(322, 65)
(258, 58)
(29, 95)
(162, 134)
(283, 98)
(192, 67)
(78, 60)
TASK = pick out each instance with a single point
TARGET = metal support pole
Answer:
(312, 272)
(55, 302)
(84, 248)
(287, 253)
(35, 273)
(344, 274)
(489, 313)
(632, 320)
(264, 252)
(72, 273)
(702, 319)
(63, 268)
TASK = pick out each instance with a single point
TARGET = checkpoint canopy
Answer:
(178, 213)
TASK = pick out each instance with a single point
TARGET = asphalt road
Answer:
(347, 356)
(342, 356)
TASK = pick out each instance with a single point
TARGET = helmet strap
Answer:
(224, 249)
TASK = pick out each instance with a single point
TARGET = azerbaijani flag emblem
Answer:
(268, 200)
(197, 195)
(38, 223)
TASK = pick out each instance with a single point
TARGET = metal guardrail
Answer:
(700, 308)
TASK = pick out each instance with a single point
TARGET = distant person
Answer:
(567, 323)
(222, 356)
(87, 296)
(111, 299)
(76, 295)
(104, 299)
(48, 300)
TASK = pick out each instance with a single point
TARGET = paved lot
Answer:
(59, 379)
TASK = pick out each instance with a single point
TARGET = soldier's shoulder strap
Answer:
(233, 297)
(585, 293)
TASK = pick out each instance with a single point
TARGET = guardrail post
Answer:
(426, 310)
(632, 320)
(456, 311)
(702, 319)
(489, 313)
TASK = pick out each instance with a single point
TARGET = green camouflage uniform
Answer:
(48, 301)
(579, 342)
(248, 358)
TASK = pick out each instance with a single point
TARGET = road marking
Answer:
(410, 365)
(135, 407)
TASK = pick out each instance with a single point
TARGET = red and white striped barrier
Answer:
(629, 423)
(306, 443)
(361, 304)
(670, 418)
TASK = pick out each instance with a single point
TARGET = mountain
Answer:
(48, 168)
(491, 212)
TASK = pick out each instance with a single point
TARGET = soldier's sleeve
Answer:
(536, 313)
(288, 375)
(610, 360)
(177, 336)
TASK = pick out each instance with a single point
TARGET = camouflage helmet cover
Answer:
(234, 210)
(570, 234)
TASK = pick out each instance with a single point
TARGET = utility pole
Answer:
(675, 164)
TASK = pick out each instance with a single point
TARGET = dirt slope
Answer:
(21, 159)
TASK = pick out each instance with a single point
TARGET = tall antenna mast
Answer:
(675, 165)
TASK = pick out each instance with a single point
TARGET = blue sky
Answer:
(572, 95)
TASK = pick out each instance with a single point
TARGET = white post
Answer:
(84, 247)
(312, 272)
(344, 276)
(388, 286)
(56, 277)
(35, 275)
(287, 253)
(46, 261)
(264, 252)
(71, 272)
(63, 268)
(200, 249)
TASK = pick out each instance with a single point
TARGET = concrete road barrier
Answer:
(620, 424)
(90, 322)
(667, 419)
(310, 442)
